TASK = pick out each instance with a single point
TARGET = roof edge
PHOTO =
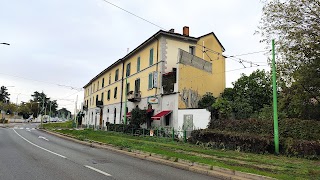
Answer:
(214, 37)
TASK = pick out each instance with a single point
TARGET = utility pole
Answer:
(275, 108)
(50, 113)
(41, 111)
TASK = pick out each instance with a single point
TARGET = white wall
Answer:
(169, 102)
(201, 117)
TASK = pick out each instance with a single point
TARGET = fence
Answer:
(160, 132)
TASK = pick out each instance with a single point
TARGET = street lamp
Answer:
(5, 44)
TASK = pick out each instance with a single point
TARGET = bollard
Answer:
(185, 136)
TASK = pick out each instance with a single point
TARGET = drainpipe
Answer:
(122, 90)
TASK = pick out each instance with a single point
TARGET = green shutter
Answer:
(138, 64)
(151, 57)
(150, 81)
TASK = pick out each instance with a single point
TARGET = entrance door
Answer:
(101, 115)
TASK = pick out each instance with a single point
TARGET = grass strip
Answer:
(279, 167)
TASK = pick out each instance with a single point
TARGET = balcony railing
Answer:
(99, 104)
(134, 96)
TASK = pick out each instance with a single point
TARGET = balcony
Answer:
(134, 96)
(85, 108)
(99, 104)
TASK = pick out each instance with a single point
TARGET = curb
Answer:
(221, 173)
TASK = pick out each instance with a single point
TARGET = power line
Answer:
(60, 85)
(241, 61)
(134, 14)
(251, 53)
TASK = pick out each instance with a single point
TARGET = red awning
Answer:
(160, 114)
(129, 114)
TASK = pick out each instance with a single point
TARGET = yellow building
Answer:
(169, 71)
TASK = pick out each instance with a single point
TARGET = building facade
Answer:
(166, 73)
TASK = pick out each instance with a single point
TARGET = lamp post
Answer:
(17, 99)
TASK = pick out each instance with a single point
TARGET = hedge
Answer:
(255, 143)
(288, 128)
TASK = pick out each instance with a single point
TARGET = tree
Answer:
(254, 90)
(295, 25)
(206, 101)
(4, 95)
(45, 104)
(223, 107)
(63, 112)
(138, 117)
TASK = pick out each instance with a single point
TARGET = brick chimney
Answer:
(186, 31)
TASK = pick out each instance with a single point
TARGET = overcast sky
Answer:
(60, 43)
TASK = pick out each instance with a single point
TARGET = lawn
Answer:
(67, 124)
(280, 167)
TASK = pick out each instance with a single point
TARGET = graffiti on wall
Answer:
(190, 98)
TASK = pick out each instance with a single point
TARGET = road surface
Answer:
(29, 154)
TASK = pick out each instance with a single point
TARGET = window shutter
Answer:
(150, 84)
(151, 57)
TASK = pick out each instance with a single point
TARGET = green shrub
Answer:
(255, 143)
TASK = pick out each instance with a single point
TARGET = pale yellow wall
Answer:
(145, 69)
(173, 46)
(143, 74)
(194, 83)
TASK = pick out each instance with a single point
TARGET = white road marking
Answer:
(15, 128)
(97, 170)
(33, 128)
(41, 137)
(28, 130)
(39, 146)
(21, 128)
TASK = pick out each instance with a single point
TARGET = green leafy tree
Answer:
(63, 112)
(206, 101)
(138, 117)
(4, 95)
(44, 103)
(223, 107)
(295, 26)
(252, 92)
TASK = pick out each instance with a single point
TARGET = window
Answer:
(191, 50)
(116, 77)
(137, 85)
(97, 98)
(151, 57)
(102, 97)
(115, 92)
(94, 88)
(109, 79)
(98, 86)
(102, 84)
(87, 103)
(150, 82)
(128, 87)
(138, 64)
(108, 97)
(128, 69)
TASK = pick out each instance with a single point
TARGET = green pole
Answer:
(125, 102)
(185, 135)
(275, 108)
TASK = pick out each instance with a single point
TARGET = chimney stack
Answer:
(186, 31)
(171, 30)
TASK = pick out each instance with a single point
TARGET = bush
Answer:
(288, 128)
(255, 143)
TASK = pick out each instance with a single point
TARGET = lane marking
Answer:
(97, 170)
(21, 128)
(29, 130)
(39, 146)
(33, 128)
(41, 137)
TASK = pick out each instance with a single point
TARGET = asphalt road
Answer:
(29, 154)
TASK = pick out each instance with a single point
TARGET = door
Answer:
(101, 115)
